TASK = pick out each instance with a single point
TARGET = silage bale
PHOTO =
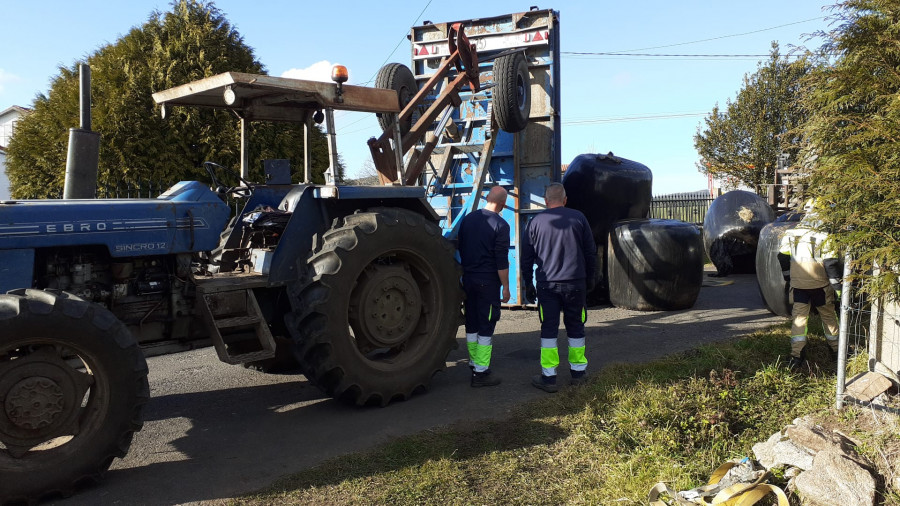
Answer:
(607, 188)
(731, 231)
(655, 265)
(773, 289)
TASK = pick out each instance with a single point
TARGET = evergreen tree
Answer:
(191, 42)
(853, 135)
(741, 144)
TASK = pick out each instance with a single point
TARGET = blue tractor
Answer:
(356, 285)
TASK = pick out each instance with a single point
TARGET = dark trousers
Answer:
(482, 305)
(567, 297)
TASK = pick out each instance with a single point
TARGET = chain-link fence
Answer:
(870, 328)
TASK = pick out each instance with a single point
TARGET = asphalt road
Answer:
(215, 431)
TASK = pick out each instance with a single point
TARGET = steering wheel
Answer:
(243, 190)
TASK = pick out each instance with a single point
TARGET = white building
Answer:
(8, 119)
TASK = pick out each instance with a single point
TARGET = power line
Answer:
(644, 117)
(662, 55)
(722, 36)
(385, 61)
(402, 40)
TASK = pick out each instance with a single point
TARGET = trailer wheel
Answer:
(398, 77)
(380, 311)
(512, 92)
(73, 383)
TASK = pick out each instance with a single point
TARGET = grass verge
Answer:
(606, 442)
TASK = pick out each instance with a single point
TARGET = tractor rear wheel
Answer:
(73, 383)
(512, 93)
(381, 307)
(396, 76)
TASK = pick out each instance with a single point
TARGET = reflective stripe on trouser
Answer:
(797, 345)
(550, 356)
(577, 360)
(471, 343)
(482, 355)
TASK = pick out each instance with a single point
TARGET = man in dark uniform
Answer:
(484, 253)
(560, 242)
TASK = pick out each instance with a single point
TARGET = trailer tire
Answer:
(398, 77)
(377, 312)
(90, 379)
(512, 92)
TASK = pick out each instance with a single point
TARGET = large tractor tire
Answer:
(378, 312)
(512, 92)
(73, 383)
(398, 77)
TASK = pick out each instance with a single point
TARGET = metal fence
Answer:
(687, 207)
(868, 328)
(132, 189)
(147, 189)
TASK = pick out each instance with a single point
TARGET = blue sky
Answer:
(646, 108)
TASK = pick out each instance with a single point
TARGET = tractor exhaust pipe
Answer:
(84, 147)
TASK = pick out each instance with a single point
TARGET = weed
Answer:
(633, 425)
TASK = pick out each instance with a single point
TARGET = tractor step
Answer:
(235, 324)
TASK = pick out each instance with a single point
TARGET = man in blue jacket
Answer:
(484, 253)
(560, 242)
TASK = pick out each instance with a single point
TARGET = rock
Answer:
(866, 386)
(835, 480)
(778, 451)
(815, 439)
(764, 451)
(811, 438)
(792, 472)
(787, 453)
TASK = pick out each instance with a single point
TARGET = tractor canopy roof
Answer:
(257, 97)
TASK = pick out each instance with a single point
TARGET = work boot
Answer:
(578, 377)
(794, 363)
(545, 383)
(484, 379)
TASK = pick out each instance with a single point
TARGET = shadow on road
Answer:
(226, 439)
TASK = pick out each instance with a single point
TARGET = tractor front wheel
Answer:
(73, 383)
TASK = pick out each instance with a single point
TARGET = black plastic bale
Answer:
(773, 289)
(655, 265)
(731, 231)
(607, 188)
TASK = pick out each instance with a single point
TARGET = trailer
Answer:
(473, 148)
